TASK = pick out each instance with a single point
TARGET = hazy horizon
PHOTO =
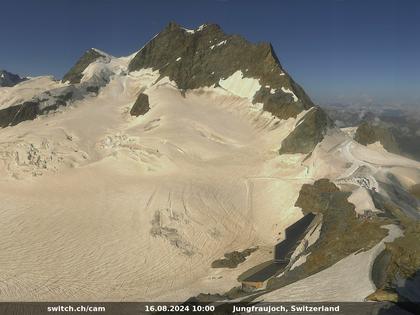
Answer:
(339, 51)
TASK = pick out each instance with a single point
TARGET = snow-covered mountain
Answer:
(9, 79)
(130, 177)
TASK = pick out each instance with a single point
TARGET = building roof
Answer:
(294, 235)
(265, 273)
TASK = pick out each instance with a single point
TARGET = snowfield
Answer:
(100, 205)
(240, 86)
(26, 90)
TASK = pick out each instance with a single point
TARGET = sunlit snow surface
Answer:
(240, 85)
(100, 205)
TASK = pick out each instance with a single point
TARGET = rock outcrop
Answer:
(75, 74)
(233, 259)
(370, 132)
(339, 225)
(309, 131)
(141, 106)
(207, 55)
(43, 104)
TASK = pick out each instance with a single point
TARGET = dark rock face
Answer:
(13, 115)
(369, 132)
(203, 57)
(316, 197)
(340, 224)
(141, 106)
(8, 79)
(93, 89)
(233, 259)
(282, 105)
(415, 191)
(309, 132)
(16, 114)
(379, 268)
(40, 105)
(75, 73)
(341, 232)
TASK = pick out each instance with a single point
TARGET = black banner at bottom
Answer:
(140, 308)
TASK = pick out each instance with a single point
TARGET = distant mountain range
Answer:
(396, 127)
(8, 79)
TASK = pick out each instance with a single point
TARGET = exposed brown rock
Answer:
(369, 132)
(206, 56)
(141, 106)
(310, 130)
(75, 74)
(382, 295)
(233, 259)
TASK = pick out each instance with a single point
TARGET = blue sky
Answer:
(338, 50)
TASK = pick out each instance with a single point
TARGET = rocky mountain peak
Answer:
(207, 27)
(207, 56)
(75, 74)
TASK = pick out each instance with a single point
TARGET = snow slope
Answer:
(26, 90)
(99, 205)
